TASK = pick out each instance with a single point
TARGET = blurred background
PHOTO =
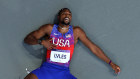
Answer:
(114, 25)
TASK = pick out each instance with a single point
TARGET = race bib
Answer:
(61, 56)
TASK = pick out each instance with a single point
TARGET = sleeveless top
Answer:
(65, 46)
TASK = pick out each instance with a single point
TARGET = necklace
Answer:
(64, 28)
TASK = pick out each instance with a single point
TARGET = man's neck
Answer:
(62, 26)
(65, 28)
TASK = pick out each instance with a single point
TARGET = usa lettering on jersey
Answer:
(61, 42)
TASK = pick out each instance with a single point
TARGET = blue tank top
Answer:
(65, 46)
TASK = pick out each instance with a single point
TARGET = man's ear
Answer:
(58, 17)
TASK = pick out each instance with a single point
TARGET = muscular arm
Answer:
(32, 38)
(94, 48)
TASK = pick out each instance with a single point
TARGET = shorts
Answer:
(52, 71)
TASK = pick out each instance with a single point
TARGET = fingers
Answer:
(50, 39)
(52, 46)
(117, 70)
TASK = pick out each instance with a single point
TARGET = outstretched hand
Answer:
(48, 44)
(116, 68)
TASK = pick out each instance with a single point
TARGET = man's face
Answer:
(65, 17)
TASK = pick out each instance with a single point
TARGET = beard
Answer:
(65, 23)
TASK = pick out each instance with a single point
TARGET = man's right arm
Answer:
(32, 38)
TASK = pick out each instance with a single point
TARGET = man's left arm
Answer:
(95, 49)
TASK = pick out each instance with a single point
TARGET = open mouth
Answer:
(66, 19)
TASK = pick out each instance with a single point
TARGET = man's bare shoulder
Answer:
(78, 32)
(77, 29)
(47, 26)
(46, 29)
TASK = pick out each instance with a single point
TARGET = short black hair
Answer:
(63, 10)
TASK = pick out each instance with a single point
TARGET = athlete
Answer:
(62, 38)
